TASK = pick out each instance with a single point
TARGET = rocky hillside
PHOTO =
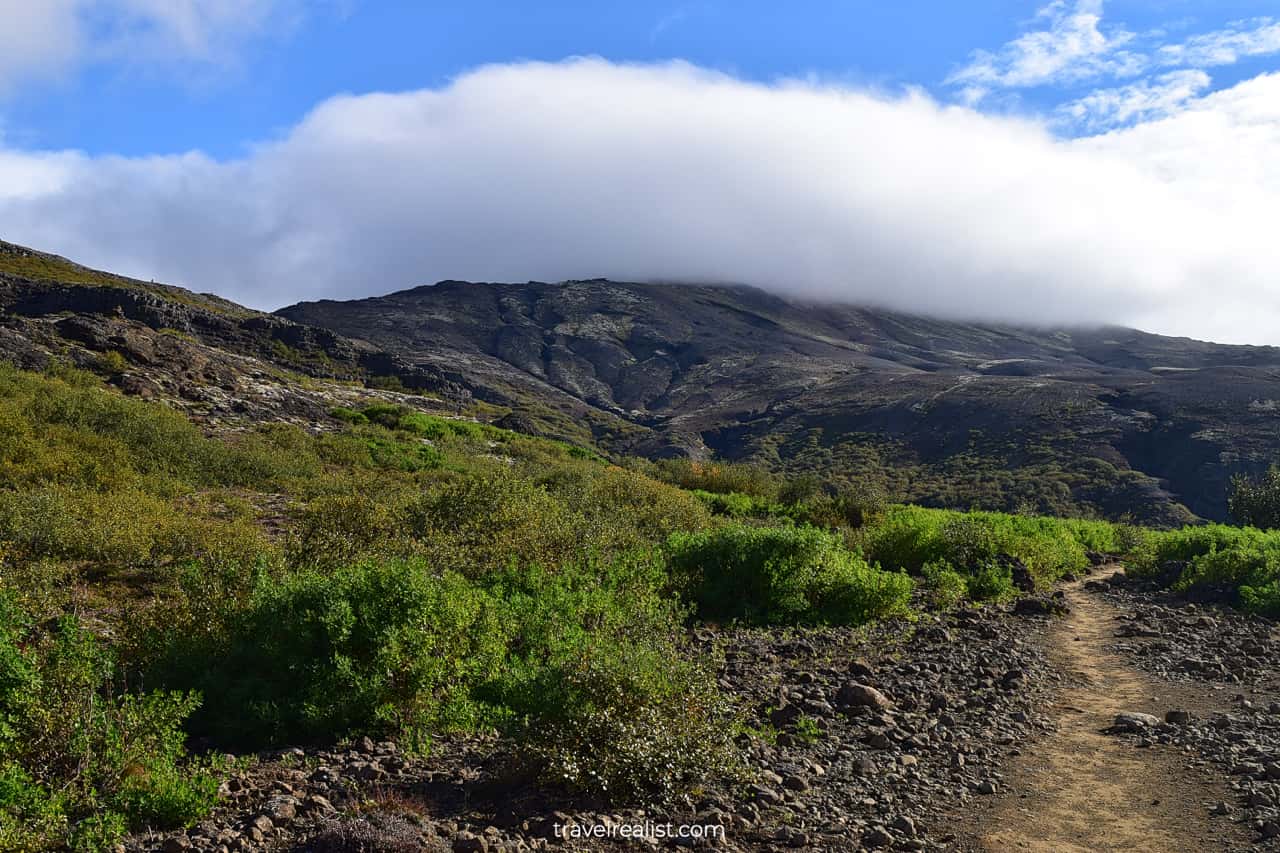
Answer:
(1068, 421)
(1060, 420)
(217, 360)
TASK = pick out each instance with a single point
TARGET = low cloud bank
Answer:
(587, 168)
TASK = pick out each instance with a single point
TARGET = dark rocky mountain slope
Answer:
(1111, 420)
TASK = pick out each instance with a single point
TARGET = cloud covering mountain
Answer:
(589, 168)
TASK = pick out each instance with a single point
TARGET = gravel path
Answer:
(1083, 789)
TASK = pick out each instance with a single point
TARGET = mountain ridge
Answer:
(744, 373)
(1103, 421)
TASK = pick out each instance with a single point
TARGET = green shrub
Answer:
(1239, 565)
(1263, 599)
(849, 508)
(600, 690)
(798, 490)
(782, 575)
(1231, 568)
(622, 736)
(968, 541)
(333, 530)
(33, 818)
(350, 416)
(908, 538)
(66, 429)
(619, 512)
(385, 414)
(946, 587)
(718, 477)
(120, 527)
(375, 647)
(387, 383)
(112, 363)
(483, 523)
(98, 832)
(432, 427)
(1190, 544)
(1255, 502)
(990, 582)
(739, 506)
(78, 760)
(124, 527)
(379, 450)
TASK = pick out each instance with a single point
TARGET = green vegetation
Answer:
(977, 546)
(782, 575)
(410, 576)
(80, 761)
(1233, 564)
(1238, 565)
(993, 472)
(1256, 502)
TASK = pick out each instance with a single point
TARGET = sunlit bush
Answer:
(782, 575)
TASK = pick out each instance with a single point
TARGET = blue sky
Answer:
(272, 76)
(1052, 162)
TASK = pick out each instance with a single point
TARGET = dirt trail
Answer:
(1082, 790)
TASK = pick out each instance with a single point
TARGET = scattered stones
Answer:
(1040, 606)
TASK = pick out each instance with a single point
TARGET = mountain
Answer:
(1107, 420)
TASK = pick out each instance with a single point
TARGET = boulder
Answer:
(1134, 721)
(857, 695)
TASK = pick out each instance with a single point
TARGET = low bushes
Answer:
(80, 763)
(585, 666)
(403, 418)
(717, 477)
(782, 575)
(599, 689)
(978, 545)
(121, 527)
(375, 647)
(410, 575)
(737, 505)
(1238, 564)
(945, 586)
(639, 720)
(482, 523)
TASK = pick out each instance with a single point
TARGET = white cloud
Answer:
(1071, 48)
(585, 168)
(1224, 47)
(37, 39)
(1141, 101)
(42, 39)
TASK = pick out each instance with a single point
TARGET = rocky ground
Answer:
(979, 729)
(217, 388)
(1232, 659)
